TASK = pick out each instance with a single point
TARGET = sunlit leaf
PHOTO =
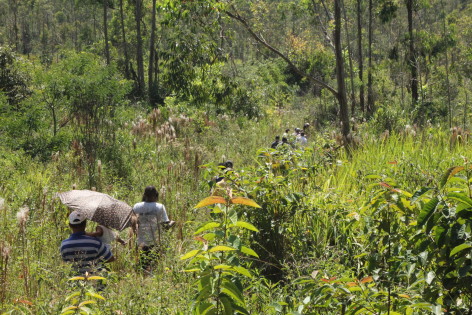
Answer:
(429, 277)
(243, 271)
(206, 227)
(208, 201)
(246, 225)
(190, 254)
(449, 173)
(419, 193)
(461, 198)
(95, 278)
(406, 296)
(72, 295)
(76, 278)
(87, 302)
(95, 295)
(314, 274)
(248, 251)
(459, 248)
(351, 284)
(221, 248)
(245, 201)
(224, 267)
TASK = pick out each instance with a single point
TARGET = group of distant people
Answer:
(298, 137)
(87, 251)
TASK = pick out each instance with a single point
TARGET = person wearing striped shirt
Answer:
(86, 253)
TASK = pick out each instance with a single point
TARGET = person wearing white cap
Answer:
(86, 253)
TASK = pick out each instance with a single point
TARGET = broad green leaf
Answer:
(70, 308)
(246, 225)
(430, 277)
(461, 198)
(459, 248)
(208, 201)
(449, 173)
(190, 254)
(232, 291)
(248, 251)
(204, 307)
(245, 201)
(95, 295)
(241, 309)
(224, 267)
(427, 211)
(87, 302)
(242, 271)
(227, 308)
(206, 227)
(67, 312)
(85, 309)
(72, 295)
(221, 248)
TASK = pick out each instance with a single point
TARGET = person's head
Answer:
(150, 194)
(229, 164)
(277, 138)
(287, 130)
(306, 126)
(284, 140)
(77, 221)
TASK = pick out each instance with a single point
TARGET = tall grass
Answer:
(324, 226)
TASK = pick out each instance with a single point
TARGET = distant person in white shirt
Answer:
(151, 216)
(303, 140)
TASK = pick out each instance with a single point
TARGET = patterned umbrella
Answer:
(99, 207)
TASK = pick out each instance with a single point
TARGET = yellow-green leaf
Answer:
(95, 278)
(67, 312)
(459, 248)
(221, 248)
(246, 225)
(87, 302)
(210, 201)
(224, 267)
(248, 251)
(245, 201)
(72, 295)
(76, 278)
(190, 254)
(243, 271)
(95, 295)
(206, 227)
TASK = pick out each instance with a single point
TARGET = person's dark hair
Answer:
(284, 139)
(229, 164)
(277, 137)
(82, 224)
(150, 194)
(287, 130)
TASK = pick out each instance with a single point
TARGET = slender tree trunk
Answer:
(351, 68)
(139, 48)
(123, 37)
(105, 31)
(361, 60)
(412, 54)
(341, 94)
(152, 53)
(370, 92)
(449, 105)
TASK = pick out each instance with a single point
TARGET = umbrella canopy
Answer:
(99, 207)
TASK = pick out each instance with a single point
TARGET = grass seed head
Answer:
(22, 215)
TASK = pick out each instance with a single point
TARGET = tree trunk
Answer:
(361, 60)
(105, 31)
(370, 92)
(152, 53)
(349, 53)
(412, 54)
(341, 94)
(139, 48)
(125, 44)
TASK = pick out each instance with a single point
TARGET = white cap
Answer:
(76, 217)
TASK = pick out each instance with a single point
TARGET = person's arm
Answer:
(98, 232)
(105, 254)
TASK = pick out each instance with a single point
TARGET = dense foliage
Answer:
(117, 95)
